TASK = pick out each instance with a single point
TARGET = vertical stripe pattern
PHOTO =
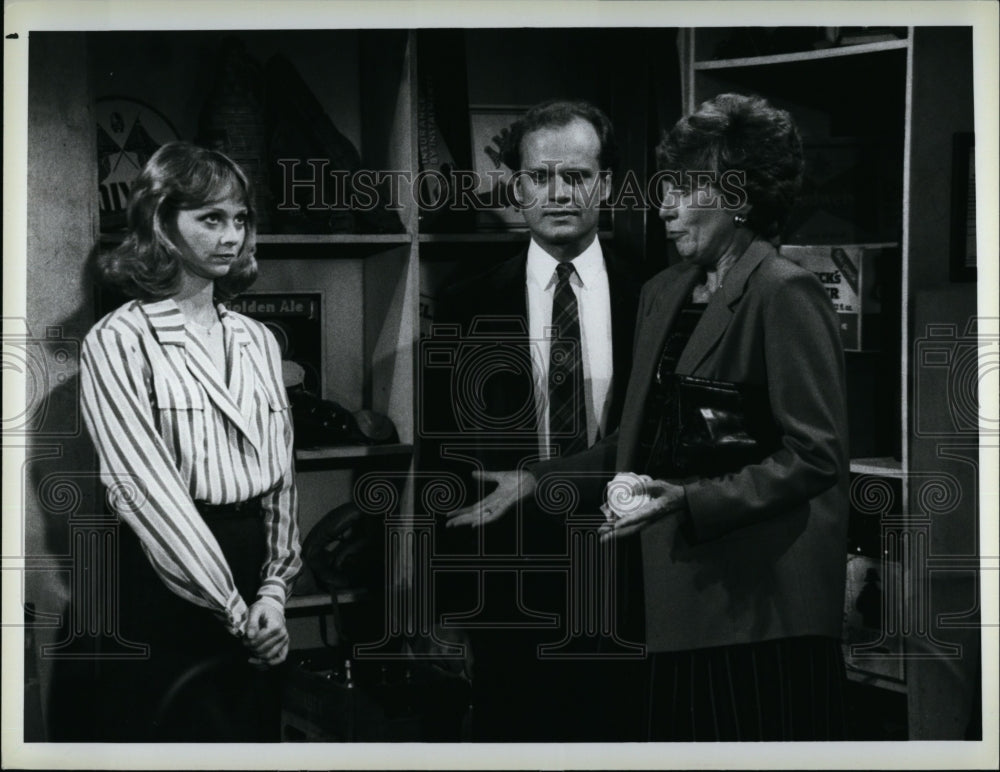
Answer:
(164, 419)
(784, 689)
(567, 405)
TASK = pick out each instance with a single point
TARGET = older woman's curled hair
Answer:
(746, 135)
(180, 175)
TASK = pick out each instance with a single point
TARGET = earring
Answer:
(739, 220)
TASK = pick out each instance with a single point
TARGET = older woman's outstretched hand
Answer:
(634, 501)
(511, 488)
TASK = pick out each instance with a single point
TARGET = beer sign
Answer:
(848, 275)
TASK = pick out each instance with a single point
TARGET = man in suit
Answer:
(564, 297)
(743, 561)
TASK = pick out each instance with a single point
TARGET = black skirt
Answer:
(196, 684)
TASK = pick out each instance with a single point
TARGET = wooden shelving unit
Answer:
(811, 85)
(878, 467)
(348, 453)
(802, 56)
(335, 239)
(907, 97)
(321, 603)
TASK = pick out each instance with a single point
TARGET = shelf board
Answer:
(306, 605)
(352, 452)
(881, 467)
(486, 237)
(873, 679)
(496, 237)
(803, 56)
(343, 239)
(852, 245)
(334, 238)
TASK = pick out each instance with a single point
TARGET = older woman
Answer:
(185, 403)
(743, 553)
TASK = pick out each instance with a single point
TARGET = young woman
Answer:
(185, 404)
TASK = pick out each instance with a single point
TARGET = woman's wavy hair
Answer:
(738, 133)
(178, 176)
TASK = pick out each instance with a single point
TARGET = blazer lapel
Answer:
(651, 334)
(658, 322)
(719, 312)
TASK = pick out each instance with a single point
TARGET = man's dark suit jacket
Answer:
(480, 402)
(487, 399)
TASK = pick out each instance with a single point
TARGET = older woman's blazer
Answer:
(763, 553)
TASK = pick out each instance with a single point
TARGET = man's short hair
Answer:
(556, 113)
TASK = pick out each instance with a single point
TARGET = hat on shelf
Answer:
(343, 549)
(325, 422)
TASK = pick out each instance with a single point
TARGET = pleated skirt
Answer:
(785, 689)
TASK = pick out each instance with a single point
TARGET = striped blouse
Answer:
(170, 431)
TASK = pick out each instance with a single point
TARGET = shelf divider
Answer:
(352, 452)
(881, 467)
(334, 238)
(803, 56)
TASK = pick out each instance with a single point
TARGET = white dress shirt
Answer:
(593, 297)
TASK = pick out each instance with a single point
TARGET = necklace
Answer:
(206, 329)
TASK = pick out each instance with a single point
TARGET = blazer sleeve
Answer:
(590, 470)
(436, 420)
(119, 416)
(804, 364)
(587, 472)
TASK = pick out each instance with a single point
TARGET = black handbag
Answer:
(721, 427)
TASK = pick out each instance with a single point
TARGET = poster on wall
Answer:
(490, 127)
(296, 320)
(129, 131)
(851, 278)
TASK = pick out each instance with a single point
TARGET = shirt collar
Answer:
(167, 321)
(235, 322)
(541, 267)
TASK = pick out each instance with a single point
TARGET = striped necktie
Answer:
(567, 406)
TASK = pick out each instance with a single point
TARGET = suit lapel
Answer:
(500, 302)
(513, 298)
(623, 288)
(508, 295)
(719, 311)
